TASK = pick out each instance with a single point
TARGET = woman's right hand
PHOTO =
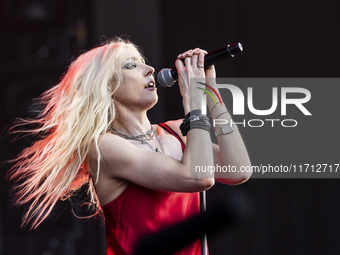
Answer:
(190, 67)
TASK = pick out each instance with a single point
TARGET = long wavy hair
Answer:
(76, 112)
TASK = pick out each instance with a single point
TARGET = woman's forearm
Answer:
(232, 150)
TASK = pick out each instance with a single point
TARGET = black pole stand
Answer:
(203, 206)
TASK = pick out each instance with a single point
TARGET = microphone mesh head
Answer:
(164, 78)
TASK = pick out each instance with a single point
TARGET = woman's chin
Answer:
(151, 102)
(154, 102)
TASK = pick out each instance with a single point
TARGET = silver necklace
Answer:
(143, 138)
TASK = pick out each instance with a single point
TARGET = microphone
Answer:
(167, 77)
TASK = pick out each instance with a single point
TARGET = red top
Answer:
(139, 211)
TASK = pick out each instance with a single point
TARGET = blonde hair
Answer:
(77, 111)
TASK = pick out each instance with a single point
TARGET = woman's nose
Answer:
(150, 70)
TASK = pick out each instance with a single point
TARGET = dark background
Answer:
(281, 39)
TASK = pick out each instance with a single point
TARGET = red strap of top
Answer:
(169, 129)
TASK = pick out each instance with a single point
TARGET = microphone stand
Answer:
(203, 208)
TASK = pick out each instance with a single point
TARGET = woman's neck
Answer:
(131, 122)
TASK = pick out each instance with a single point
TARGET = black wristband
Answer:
(192, 120)
(193, 113)
(205, 125)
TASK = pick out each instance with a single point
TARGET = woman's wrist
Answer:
(190, 104)
(193, 120)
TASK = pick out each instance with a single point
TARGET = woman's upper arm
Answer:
(123, 160)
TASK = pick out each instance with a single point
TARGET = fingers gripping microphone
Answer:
(167, 77)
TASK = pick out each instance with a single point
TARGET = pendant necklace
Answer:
(143, 138)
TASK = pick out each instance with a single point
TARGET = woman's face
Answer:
(137, 90)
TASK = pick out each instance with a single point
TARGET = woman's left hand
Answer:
(210, 72)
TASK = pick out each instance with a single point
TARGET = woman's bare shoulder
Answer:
(105, 142)
(111, 148)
